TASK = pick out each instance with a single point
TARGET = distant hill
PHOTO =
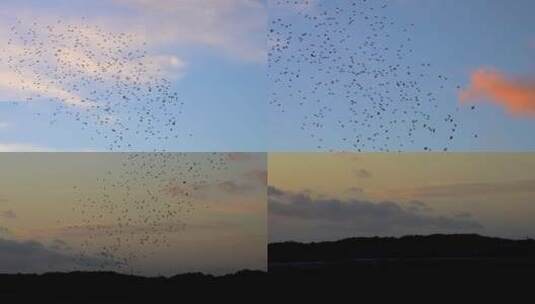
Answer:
(431, 246)
(426, 267)
(111, 287)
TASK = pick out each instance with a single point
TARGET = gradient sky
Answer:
(459, 39)
(213, 52)
(321, 196)
(44, 222)
(219, 53)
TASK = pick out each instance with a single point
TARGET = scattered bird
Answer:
(104, 81)
(348, 69)
(135, 210)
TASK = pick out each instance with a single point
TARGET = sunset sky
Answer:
(320, 196)
(163, 137)
(51, 203)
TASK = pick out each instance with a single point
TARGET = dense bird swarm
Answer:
(105, 81)
(135, 211)
(348, 70)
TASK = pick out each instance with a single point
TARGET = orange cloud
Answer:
(516, 95)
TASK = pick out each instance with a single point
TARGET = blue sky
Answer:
(218, 51)
(457, 39)
(214, 54)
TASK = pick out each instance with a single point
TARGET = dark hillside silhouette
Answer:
(429, 267)
(435, 266)
(110, 287)
(432, 246)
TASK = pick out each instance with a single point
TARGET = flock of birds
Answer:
(348, 70)
(108, 84)
(104, 81)
(136, 210)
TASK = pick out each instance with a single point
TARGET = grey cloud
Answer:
(362, 173)
(9, 214)
(260, 176)
(34, 257)
(4, 231)
(274, 192)
(419, 206)
(60, 245)
(233, 187)
(361, 216)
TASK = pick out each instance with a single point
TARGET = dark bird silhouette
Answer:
(105, 81)
(348, 69)
(134, 209)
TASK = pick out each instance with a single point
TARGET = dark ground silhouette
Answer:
(432, 246)
(433, 268)
(110, 287)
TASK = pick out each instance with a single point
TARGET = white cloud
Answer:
(65, 61)
(22, 147)
(14, 87)
(237, 27)
(293, 6)
(232, 27)
(52, 53)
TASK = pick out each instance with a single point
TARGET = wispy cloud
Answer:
(23, 147)
(8, 214)
(516, 95)
(228, 187)
(23, 76)
(294, 5)
(362, 173)
(34, 257)
(17, 87)
(235, 27)
(232, 187)
(466, 189)
(258, 175)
